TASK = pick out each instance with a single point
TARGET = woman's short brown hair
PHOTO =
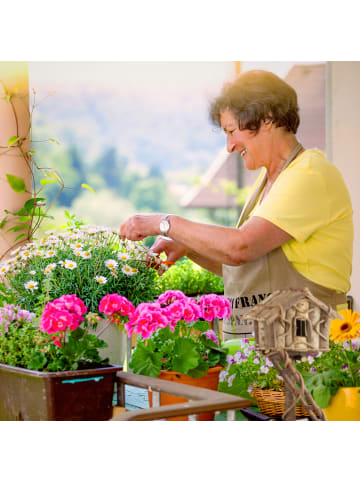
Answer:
(256, 96)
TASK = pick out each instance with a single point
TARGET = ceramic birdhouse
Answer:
(292, 320)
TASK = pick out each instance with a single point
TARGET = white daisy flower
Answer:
(38, 252)
(47, 271)
(86, 254)
(111, 264)
(51, 266)
(128, 270)
(4, 269)
(50, 253)
(77, 252)
(32, 272)
(122, 256)
(31, 285)
(26, 254)
(100, 279)
(61, 262)
(76, 246)
(69, 264)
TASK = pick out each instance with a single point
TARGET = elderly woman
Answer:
(296, 228)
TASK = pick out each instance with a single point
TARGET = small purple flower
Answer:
(344, 367)
(231, 379)
(279, 377)
(211, 335)
(257, 360)
(264, 369)
(239, 357)
(230, 359)
(313, 369)
(223, 375)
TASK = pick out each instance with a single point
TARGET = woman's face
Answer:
(251, 146)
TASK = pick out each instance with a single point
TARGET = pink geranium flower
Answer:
(146, 319)
(170, 296)
(114, 303)
(62, 313)
(214, 306)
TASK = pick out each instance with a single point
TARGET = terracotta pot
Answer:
(210, 380)
(345, 405)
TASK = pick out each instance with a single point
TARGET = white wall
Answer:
(343, 143)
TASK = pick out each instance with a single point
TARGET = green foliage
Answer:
(248, 369)
(23, 345)
(77, 262)
(186, 350)
(339, 367)
(7, 295)
(191, 279)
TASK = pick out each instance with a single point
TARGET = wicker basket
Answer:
(272, 403)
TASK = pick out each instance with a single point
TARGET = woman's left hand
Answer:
(139, 226)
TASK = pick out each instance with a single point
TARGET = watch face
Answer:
(164, 226)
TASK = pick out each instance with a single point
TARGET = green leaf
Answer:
(201, 326)
(16, 183)
(37, 361)
(23, 219)
(144, 361)
(186, 357)
(47, 181)
(200, 370)
(29, 205)
(86, 186)
(12, 140)
(3, 221)
(322, 396)
(20, 236)
(18, 227)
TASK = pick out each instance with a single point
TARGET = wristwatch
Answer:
(165, 225)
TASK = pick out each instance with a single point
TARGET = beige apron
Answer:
(249, 284)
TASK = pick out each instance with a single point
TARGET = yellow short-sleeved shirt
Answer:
(310, 201)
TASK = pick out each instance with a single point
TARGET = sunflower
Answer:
(346, 328)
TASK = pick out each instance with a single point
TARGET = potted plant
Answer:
(88, 261)
(175, 341)
(249, 374)
(334, 376)
(51, 369)
(191, 279)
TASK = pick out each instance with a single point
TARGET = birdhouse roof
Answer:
(286, 299)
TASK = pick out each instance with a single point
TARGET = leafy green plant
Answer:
(89, 261)
(191, 279)
(247, 369)
(26, 344)
(339, 367)
(175, 334)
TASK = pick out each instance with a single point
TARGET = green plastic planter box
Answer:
(72, 395)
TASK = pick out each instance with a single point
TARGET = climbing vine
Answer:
(30, 216)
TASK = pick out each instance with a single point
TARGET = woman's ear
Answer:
(268, 121)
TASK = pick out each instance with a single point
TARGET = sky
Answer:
(149, 75)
